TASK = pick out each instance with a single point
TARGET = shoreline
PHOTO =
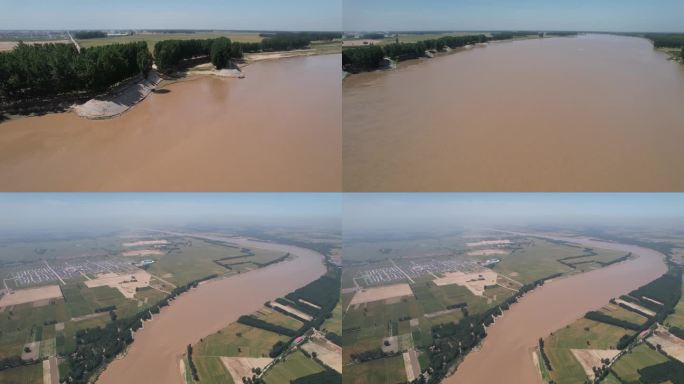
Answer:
(464, 368)
(104, 102)
(673, 54)
(433, 55)
(131, 358)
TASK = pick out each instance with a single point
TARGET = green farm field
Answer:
(197, 261)
(389, 370)
(211, 370)
(238, 340)
(640, 357)
(294, 366)
(152, 38)
(31, 374)
(540, 259)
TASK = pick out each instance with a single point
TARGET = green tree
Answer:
(220, 52)
(144, 61)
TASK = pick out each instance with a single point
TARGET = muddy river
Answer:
(512, 339)
(586, 113)
(155, 355)
(278, 129)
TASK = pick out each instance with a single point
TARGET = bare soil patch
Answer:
(381, 293)
(291, 310)
(487, 252)
(30, 295)
(637, 307)
(484, 243)
(144, 243)
(326, 351)
(34, 352)
(240, 367)
(590, 358)
(670, 344)
(142, 252)
(125, 283)
(474, 281)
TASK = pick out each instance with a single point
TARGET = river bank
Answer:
(511, 340)
(489, 126)
(155, 355)
(202, 133)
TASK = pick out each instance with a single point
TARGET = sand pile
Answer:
(120, 101)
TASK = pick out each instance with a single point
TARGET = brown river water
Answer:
(278, 129)
(154, 356)
(587, 113)
(506, 353)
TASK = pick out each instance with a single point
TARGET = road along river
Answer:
(278, 129)
(506, 353)
(154, 356)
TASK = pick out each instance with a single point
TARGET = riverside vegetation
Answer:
(371, 57)
(52, 72)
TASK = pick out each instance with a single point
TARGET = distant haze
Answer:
(455, 211)
(172, 14)
(84, 211)
(487, 15)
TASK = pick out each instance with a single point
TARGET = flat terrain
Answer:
(30, 295)
(381, 293)
(383, 371)
(640, 357)
(152, 38)
(32, 374)
(294, 366)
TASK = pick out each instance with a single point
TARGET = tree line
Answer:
(311, 36)
(83, 35)
(170, 54)
(54, 69)
(95, 347)
(371, 57)
(452, 341)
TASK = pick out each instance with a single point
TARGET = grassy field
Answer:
(540, 259)
(365, 326)
(197, 261)
(211, 370)
(239, 341)
(22, 324)
(152, 38)
(641, 356)
(39, 249)
(334, 324)
(610, 379)
(294, 366)
(274, 317)
(81, 300)
(32, 374)
(355, 251)
(677, 318)
(623, 314)
(383, 371)
(585, 333)
(582, 334)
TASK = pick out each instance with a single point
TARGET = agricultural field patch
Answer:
(293, 366)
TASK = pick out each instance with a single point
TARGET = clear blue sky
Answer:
(26, 210)
(594, 15)
(172, 14)
(378, 210)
